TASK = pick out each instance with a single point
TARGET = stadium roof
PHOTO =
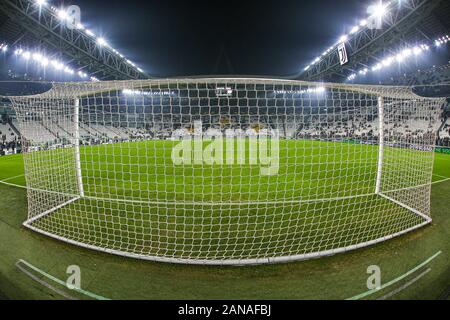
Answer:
(404, 24)
(35, 26)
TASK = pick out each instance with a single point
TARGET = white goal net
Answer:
(227, 171)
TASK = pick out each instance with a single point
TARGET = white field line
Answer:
(216, 203)
(403, 287)
(439, 176)
(12, 178)
(403, 276)
(43, 283)
(60, 282)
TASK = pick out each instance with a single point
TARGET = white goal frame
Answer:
(76, 191)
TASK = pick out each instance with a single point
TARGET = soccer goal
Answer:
(227, 171)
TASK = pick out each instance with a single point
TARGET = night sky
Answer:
(181, 38)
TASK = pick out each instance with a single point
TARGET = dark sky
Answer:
(176, 38)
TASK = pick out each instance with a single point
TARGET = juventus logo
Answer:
(343, 58)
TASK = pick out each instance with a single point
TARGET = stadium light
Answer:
(57, 65)
(44, 61)
(101, 41)
(62, 14)
(37, 57)
(354, 30)
(41, 3)
(402, 56)
(343, 38)
(399, 57)
(90, 33)
(363, 23)
(387, 62)
(379, 10)
(406, 53)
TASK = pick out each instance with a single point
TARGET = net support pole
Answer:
(76, 122)
(380, 144)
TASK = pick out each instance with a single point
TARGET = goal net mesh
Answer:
(227, 171)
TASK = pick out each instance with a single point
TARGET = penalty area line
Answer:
(406, 285)
(60, 282)
(42, 282)
(367, 293)
(11, 178)
(440, 181)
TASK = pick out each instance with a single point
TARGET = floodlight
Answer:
(343, 38)
(320, 89)
(62, 14)
(406, 52)
(27, 55)
(41, 2)
(57, 65)
(101, 41)
(417, 50)
(378, 66)
(363, 23)
(379, 10)
(386, 62)
(354, 30)
(37, 57)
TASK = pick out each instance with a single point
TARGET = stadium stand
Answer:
(431, 76)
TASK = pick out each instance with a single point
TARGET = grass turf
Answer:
(137, 201)
(332, 277)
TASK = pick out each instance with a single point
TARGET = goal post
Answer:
(380, 144)
(227, 171)
(76, 143)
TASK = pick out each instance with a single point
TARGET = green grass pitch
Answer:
(138, 202)
(337, 277)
